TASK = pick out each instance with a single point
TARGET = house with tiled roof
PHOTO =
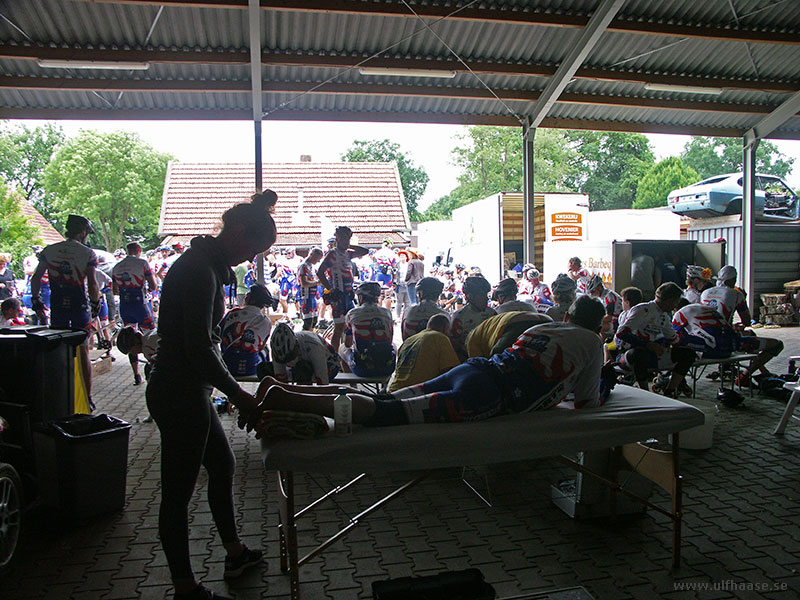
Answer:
(313, 198)
(47, 233)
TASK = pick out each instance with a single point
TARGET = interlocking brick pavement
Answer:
(740, 524)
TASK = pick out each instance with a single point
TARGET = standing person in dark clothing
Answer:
(187, 367)
(416, 271)
(7, 279)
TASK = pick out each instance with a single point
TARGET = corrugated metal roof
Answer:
(176, 40)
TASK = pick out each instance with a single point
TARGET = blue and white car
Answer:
(722, 195)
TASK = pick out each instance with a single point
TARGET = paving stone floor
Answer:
(741, 530)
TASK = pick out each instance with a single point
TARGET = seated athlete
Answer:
(728, 299)
(425, 355)
(245, 331)
(368, 333)
(564, 292)
(546, 364)
(595, 287)
(415, 318)
(645, 335)
(499, 332)
(505, 294)
(302, 357)
(477, 310)
(705, 331)
(698, 280)
(631, 296)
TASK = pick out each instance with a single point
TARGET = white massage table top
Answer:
(629, 415)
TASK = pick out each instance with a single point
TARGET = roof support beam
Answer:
(774, 120)
(520, 17)
(277, 87)
(589, 37)
(242, 58)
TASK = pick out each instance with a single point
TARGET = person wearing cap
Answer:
(335, 273)
(698, 280)
(131, 279)
(476, 311)
(564, 292)
(245, 331)
(74, 294)
(425, 355)
(545, 364)
(505, 294)
(611, 300)
(415, 272)
(133, 343)
(307, 288)
(415, 318)
(728, 299)
(368, 334)
(402, 297)
(647, 340)
(386, 262)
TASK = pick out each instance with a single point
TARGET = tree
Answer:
(665, 176)
(114, 179)
(413, 178)
(711, 156)
(24, 154)
(491, 162)
(17, 232)
(609, 166)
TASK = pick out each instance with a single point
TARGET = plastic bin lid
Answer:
(83, 426)
(44, 336)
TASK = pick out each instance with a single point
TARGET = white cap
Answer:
(727, 273)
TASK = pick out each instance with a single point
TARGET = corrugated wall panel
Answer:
(776, 252)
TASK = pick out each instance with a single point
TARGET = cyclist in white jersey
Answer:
(415, 318)
(368, 333)
(727, 299)
(698, 280)
(477, 310)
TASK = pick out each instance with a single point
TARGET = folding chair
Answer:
(793, 387)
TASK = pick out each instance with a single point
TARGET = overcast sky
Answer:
(284, 141)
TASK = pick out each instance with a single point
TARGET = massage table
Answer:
(628, 416)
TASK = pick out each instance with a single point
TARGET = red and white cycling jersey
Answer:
(66, 264)
(415, 318)
(245, 328)
(369, 324)
(612, 302)
(726, 300)
(340, 270)
(130, 276)
(644, 323)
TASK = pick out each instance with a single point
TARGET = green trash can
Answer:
(81, 464)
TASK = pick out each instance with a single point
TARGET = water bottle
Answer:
(342, 413)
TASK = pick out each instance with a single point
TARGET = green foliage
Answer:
(491, 162)
(413, 178)
(609, 166)
(24, 154)
(711, 156)
(18, 232)
(114, 179)
(665, 176)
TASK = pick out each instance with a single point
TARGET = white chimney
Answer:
(305, 158)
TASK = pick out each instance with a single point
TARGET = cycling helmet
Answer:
(125, 339)
(460, 266)
(119, 253)
(475, 284)
(448, 271)
(283, 345)
(507, 288)
(532, 274)
(431, 287)
(592, 283)
(564, 284)
(369, 290)
(76, 223)
(261, 297)
(527, 267)
(475, 271)
(730, 398)
(699, 272)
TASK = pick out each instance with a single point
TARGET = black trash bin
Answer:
(81, 463)
(37, 385)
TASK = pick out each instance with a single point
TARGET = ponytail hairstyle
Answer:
(254, 217)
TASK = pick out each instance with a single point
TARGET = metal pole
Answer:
(528, 135)
(254, 17)
(746, 277)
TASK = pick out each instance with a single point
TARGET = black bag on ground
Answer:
(449, 585)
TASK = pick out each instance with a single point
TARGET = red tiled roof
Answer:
(47, 233)
(367, 197)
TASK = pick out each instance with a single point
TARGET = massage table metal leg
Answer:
(677, 501)
(288, 531)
